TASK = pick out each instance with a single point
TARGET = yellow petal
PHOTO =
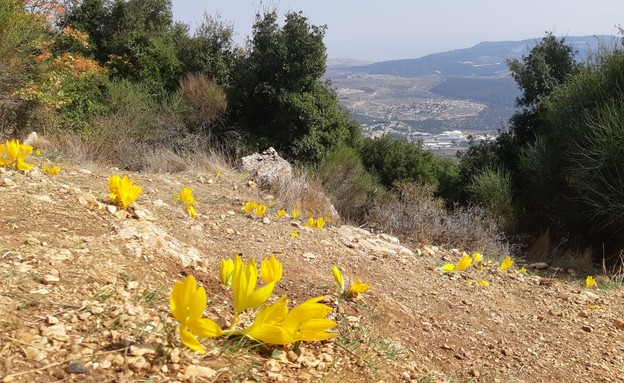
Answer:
(449, 267)
(311, 222)
(590, 281)
(189, 340)
(320, 222)
(295, 213)
(358, 287)
(227, 268)
(205, 328)
(191, 212)
(477, 257)
(260, 210)
(338, 277)
(271, 270)
(281, 213)
(463, 263)
(507, 262)
(294, 234)
(482, 282)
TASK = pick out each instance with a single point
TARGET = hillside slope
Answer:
(84, 294)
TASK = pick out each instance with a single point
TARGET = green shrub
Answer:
(394, 159)
(491, 189)
(348, 184)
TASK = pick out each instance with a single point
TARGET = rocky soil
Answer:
(84, 294)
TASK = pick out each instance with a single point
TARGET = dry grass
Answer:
(302, 191)
(412, 212)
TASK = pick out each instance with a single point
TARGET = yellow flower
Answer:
(306, 322)
(590, 281)
(15, 155)
(53, 170)
(261, 209)
(123, 191)
(244, 278)
(448, 268)
(338, 278)
(187, 199)
(507, 262)
(320, 222)
(227, 268)
(187, 306)
(295, 213)
(218, 174)
(477, 257)
(358, 287)
(484, 283)
(281, 213)
(37, 152)
(294, 234)
(311, 222)
(523, 270)
(270, 270)
(249, 206)
(463, 263)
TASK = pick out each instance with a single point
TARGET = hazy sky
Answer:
(393, 29)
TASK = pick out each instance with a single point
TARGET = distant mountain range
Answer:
(484, 59)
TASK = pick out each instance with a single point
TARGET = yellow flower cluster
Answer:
(13, 154)
(316, 223)
(356, 289)
(52, 170)
(122, 191)
(252, 206)
(273, 324)
(187, 200)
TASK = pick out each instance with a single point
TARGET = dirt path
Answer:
(84, 295)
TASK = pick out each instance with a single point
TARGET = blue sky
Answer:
(395, 29)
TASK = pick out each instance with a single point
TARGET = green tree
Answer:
(574, 169)
(394, 159)
(548, 64)
(210, 51)
(136, 39)
(278, 94)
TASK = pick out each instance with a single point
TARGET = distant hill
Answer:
(484, 59)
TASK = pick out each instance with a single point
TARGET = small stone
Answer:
(538, 266)
(111, 209)
(138, 363)
(231, 212)
(77, 368)
(266, 221)
(56, 331)
(32, 241)
(292, 356)
(7, 182)
(309, 255)
(140, 214)
(195, 371)
(86, 172)
(49, 279)
(52, 320)
(132, 285)
(618, 324)
(352, 319)
(142, 349)
(587, 328)
(229, 231)
(96, 310)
